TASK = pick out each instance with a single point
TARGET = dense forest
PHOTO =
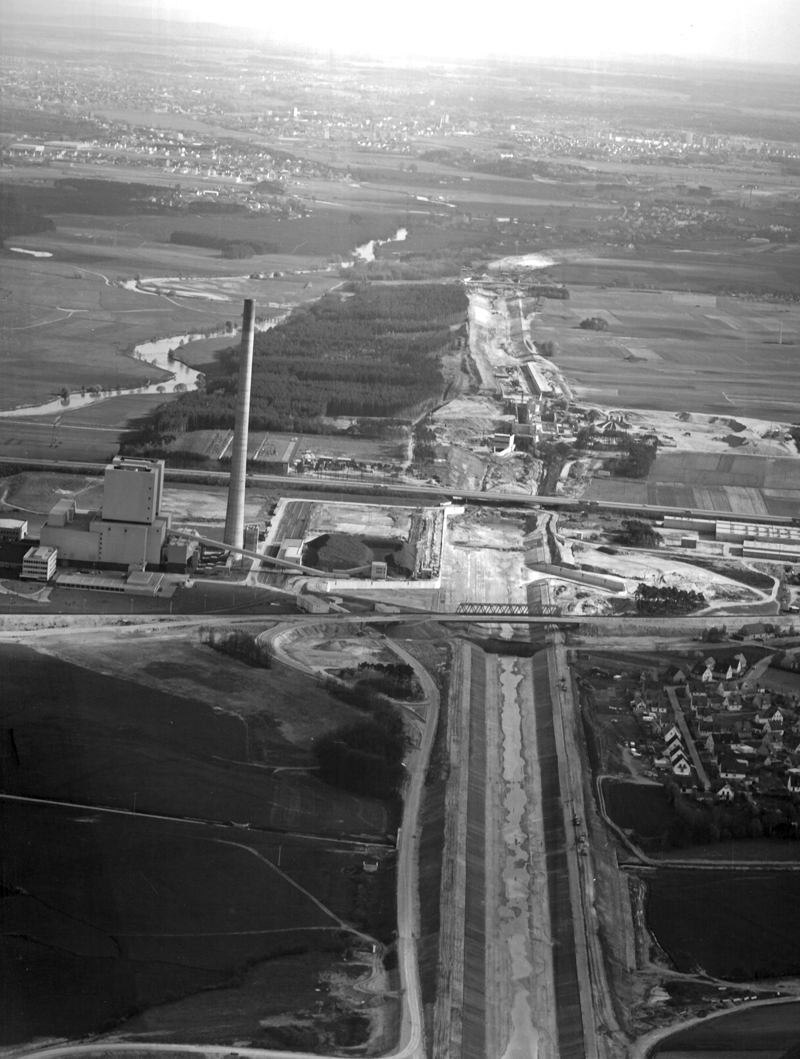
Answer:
(89, 195)
(19, 215)
(371, 351)
(234, 248)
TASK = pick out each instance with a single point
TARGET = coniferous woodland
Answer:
(374, 352)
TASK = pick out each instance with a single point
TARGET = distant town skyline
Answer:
(766, 31)
(756, 31)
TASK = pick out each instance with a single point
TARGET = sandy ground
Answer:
(483, 561)
(519, 922)
(693, 432)
(658, 569)
(370, 520)
(480, 409)
(198, 505)
(325, 650)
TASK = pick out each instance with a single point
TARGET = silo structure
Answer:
(234, 517)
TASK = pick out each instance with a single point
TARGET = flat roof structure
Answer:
(138, 583)
(779, 551)
(735, 530)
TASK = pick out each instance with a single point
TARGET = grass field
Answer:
(729, 924)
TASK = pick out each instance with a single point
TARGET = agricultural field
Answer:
(736, 482)
(90, 433)
(738, 926)
(269, 446)
(677, 351)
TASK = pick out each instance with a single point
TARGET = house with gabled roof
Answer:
(725, 793)
(731, 768)
(675, 675)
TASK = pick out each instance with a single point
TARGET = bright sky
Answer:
(749, 30)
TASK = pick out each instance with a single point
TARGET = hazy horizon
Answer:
(691, 31)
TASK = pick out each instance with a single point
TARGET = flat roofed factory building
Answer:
(39, 564)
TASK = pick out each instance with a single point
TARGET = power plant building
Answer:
(128, 532)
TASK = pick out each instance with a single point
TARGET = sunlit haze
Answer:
(766, 31)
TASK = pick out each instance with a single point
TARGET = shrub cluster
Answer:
(365, 757)
(663, 600)
(241, 644)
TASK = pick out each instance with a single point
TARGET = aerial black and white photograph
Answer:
(399, 530)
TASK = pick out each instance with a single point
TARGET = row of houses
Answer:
(718, 729)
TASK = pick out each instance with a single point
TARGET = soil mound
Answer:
(338, 551)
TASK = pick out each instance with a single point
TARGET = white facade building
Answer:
(39, 564)
(13, 529)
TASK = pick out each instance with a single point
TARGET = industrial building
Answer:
(13, 529)
(759, 540)
(39, 563)
(129, 532)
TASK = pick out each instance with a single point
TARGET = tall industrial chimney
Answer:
(234, 517)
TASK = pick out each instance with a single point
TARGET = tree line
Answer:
(665, 600)
(365, 757)
(694, 824)
(231, 248)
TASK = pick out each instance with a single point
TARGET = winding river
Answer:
(152, 352)
(156, 352)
